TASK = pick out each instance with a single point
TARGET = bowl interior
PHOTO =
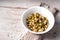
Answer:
(44, 12)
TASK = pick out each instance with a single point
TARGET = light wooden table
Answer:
(25, 4)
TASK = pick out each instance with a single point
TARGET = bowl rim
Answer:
(33, 31)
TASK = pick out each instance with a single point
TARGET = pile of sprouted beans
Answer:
(36, 22)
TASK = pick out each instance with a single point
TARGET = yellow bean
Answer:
(35, 30)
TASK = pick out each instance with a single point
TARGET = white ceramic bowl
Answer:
(43, 11)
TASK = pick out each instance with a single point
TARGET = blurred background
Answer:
(55, 3)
